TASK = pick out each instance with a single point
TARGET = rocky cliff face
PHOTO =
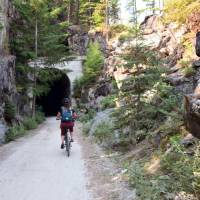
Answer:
(78, 39)
(7, 65)
(167, 40)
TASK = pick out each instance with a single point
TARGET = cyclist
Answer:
(67, 116)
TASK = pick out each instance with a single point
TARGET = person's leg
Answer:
(62, 137)
(71, 133)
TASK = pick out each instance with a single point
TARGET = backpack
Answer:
(67, 115)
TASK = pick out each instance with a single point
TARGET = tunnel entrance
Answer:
(52, 101)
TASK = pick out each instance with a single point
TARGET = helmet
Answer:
(66, 100)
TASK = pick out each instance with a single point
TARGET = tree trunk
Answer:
(69, 12)
(107, 20)
(35, 69)
(77, 12)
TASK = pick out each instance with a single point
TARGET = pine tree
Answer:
(37, 35)
(141, 94)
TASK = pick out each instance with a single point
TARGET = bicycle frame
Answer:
(67, 142)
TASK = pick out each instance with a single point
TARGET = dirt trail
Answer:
(35, 168)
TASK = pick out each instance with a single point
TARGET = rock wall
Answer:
(78, 39)
(7, 65)
(167, 41)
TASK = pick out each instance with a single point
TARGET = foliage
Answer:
(35, 16)
(77, 87)
(189, 71)
(9, 111)
(91, 69)
(117, 29)
(23, 82)
(15, 132)
(103, 132)
(45, 77)
(148, 186)
(85, 117)
(179, 10)
(186, 67)
(30, 123)
(108, 102)
(86, 127)
(177, 171)
(149, 103)
(98, 16)
(39, 117)
(93, 63)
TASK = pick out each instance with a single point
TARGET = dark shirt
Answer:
(73, 112)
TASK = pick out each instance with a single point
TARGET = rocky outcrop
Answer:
(6, 15)
(7, 88)
(79, 39)
(7, 65)
(192, 101)
(193, 21)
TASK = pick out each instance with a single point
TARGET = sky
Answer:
(125, 13)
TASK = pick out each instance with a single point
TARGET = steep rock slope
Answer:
(7, 64)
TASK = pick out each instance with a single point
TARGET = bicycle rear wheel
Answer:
(67, 144)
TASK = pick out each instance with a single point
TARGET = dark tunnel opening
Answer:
(52, 101)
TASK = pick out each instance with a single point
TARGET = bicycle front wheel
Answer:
(67, 145)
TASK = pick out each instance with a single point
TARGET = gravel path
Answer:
(35, 168)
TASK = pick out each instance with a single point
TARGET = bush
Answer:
(86, 127)
(126, 36)
(85, 117)
(77, 87)
(189, 71)
(148, 186)
(117, 29)
(103, 132)
(9, 111)
(108, 101)
(15, 132)
(30, 123)
(179, 10)
(93, 64)
(39, 117)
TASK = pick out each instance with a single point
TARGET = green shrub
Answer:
(179, 10)
(108, 102)
(86, 127)
(126, 36)
(77, 87)
(103, 132)
(93, 64)
(15, 132)
(189, 71)
(9, 111)
(85, 117)
(39, 117)
(117, 29)
(30, 123)
(148, 186)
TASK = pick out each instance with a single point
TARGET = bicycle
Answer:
(67, 140)
(67, 143)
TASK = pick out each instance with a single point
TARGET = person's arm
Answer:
(75, 116)
(58, 116)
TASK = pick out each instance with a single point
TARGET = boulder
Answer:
(196, 64)
(152, 24)
(103, 116)
(3, 129)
